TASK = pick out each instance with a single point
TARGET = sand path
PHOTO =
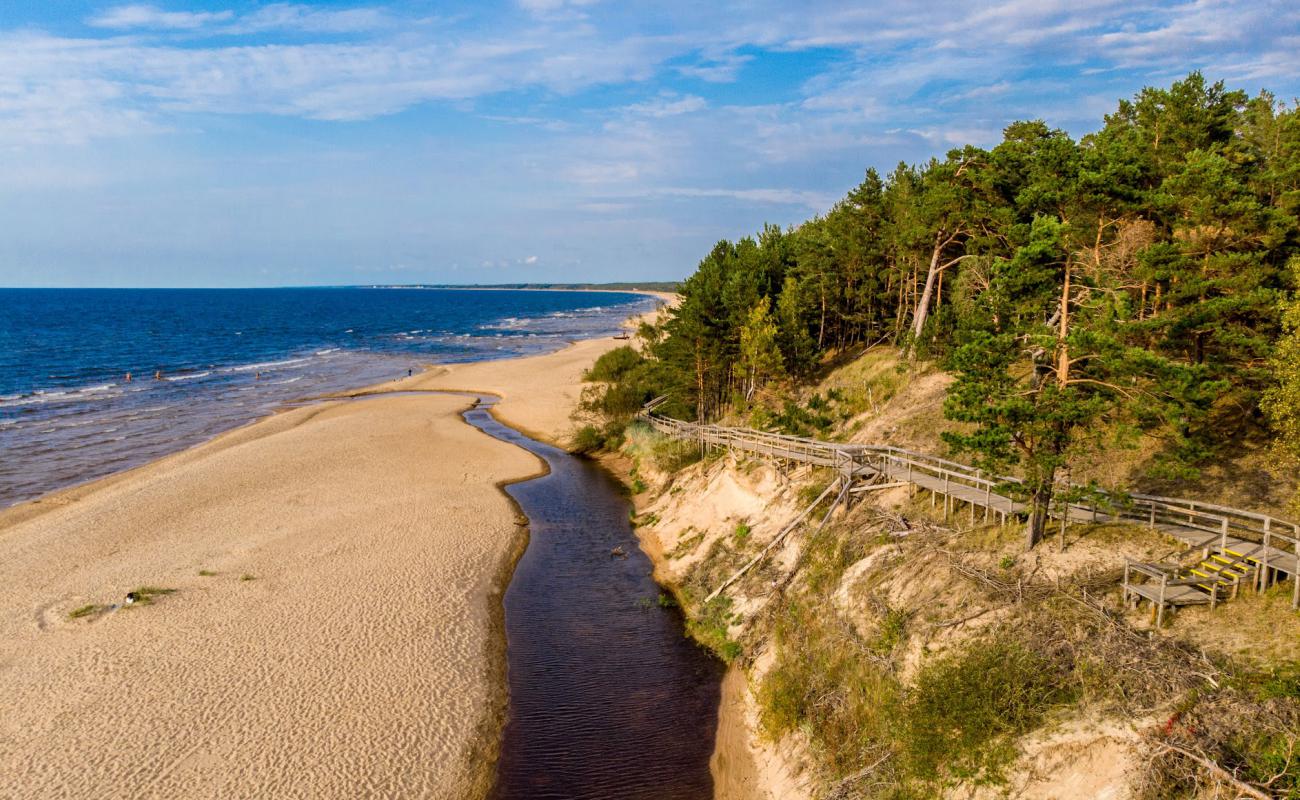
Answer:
(361, 659)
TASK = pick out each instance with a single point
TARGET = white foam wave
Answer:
(43, 396)
(191, 376)
(268, 364)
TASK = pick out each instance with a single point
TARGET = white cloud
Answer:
(667, 106)
(289, 16)
(152, 17)
(816, 201)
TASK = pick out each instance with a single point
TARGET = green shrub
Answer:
(710, 626)
(85, 611)
(741, 534)
(822, 685)
(614, 365)
(673, 455)
(967, 707)
(587, 439)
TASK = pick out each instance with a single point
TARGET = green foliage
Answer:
(1282, 399)
(710, 626)
(145, 595)
(1127, 283)
(819, 684)
(591, 439)
(967, 707)
(614, 365)
(85, 611)
(673, 455)
(587, 439)
(760, 358)
(741, 535)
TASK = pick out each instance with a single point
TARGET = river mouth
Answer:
(607, 696)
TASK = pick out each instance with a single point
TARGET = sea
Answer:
(95, 381)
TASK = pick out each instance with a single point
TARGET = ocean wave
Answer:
(327, 351)
(189, 377)
(43, 396)
(268, 364)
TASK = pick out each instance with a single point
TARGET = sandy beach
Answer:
(334, 629)
(344, 645)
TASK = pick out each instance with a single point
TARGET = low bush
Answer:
(967, 707)
(614, 365)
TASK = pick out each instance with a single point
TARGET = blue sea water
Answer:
(202, 361)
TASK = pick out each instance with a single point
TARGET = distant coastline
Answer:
(646, 287)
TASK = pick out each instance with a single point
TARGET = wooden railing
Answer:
(1221, 526)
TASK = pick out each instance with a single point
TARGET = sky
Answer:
(238, 143)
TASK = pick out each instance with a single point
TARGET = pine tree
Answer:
(1282, 400)
(760, 358)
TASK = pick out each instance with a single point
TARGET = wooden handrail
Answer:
(1153, 509)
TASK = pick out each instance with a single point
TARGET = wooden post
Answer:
(1126, 569)
(1152, 522)
(1065, 517)
(1295, 578)
(1160, 607)
(1223, 535)
(1261, 580)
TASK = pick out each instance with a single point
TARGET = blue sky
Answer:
(226, 143)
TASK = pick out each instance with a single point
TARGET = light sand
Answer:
(362, 660)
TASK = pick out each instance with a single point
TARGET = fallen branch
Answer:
(775, 541)
(1219, 772)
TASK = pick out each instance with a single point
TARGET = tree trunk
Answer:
(1039, 504)
(923, 305)
(1062, 348)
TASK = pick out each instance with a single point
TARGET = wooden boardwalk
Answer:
(1236, 545)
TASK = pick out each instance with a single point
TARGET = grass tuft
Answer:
(85, 611)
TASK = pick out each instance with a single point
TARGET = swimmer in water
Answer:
(128, 377)
(157, 375)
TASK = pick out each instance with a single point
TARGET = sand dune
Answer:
(360, 659)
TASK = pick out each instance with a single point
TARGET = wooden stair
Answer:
(1225, 570)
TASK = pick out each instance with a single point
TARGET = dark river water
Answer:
(608, 698)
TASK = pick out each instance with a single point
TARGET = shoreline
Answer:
(61, 493)
(113, 531)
